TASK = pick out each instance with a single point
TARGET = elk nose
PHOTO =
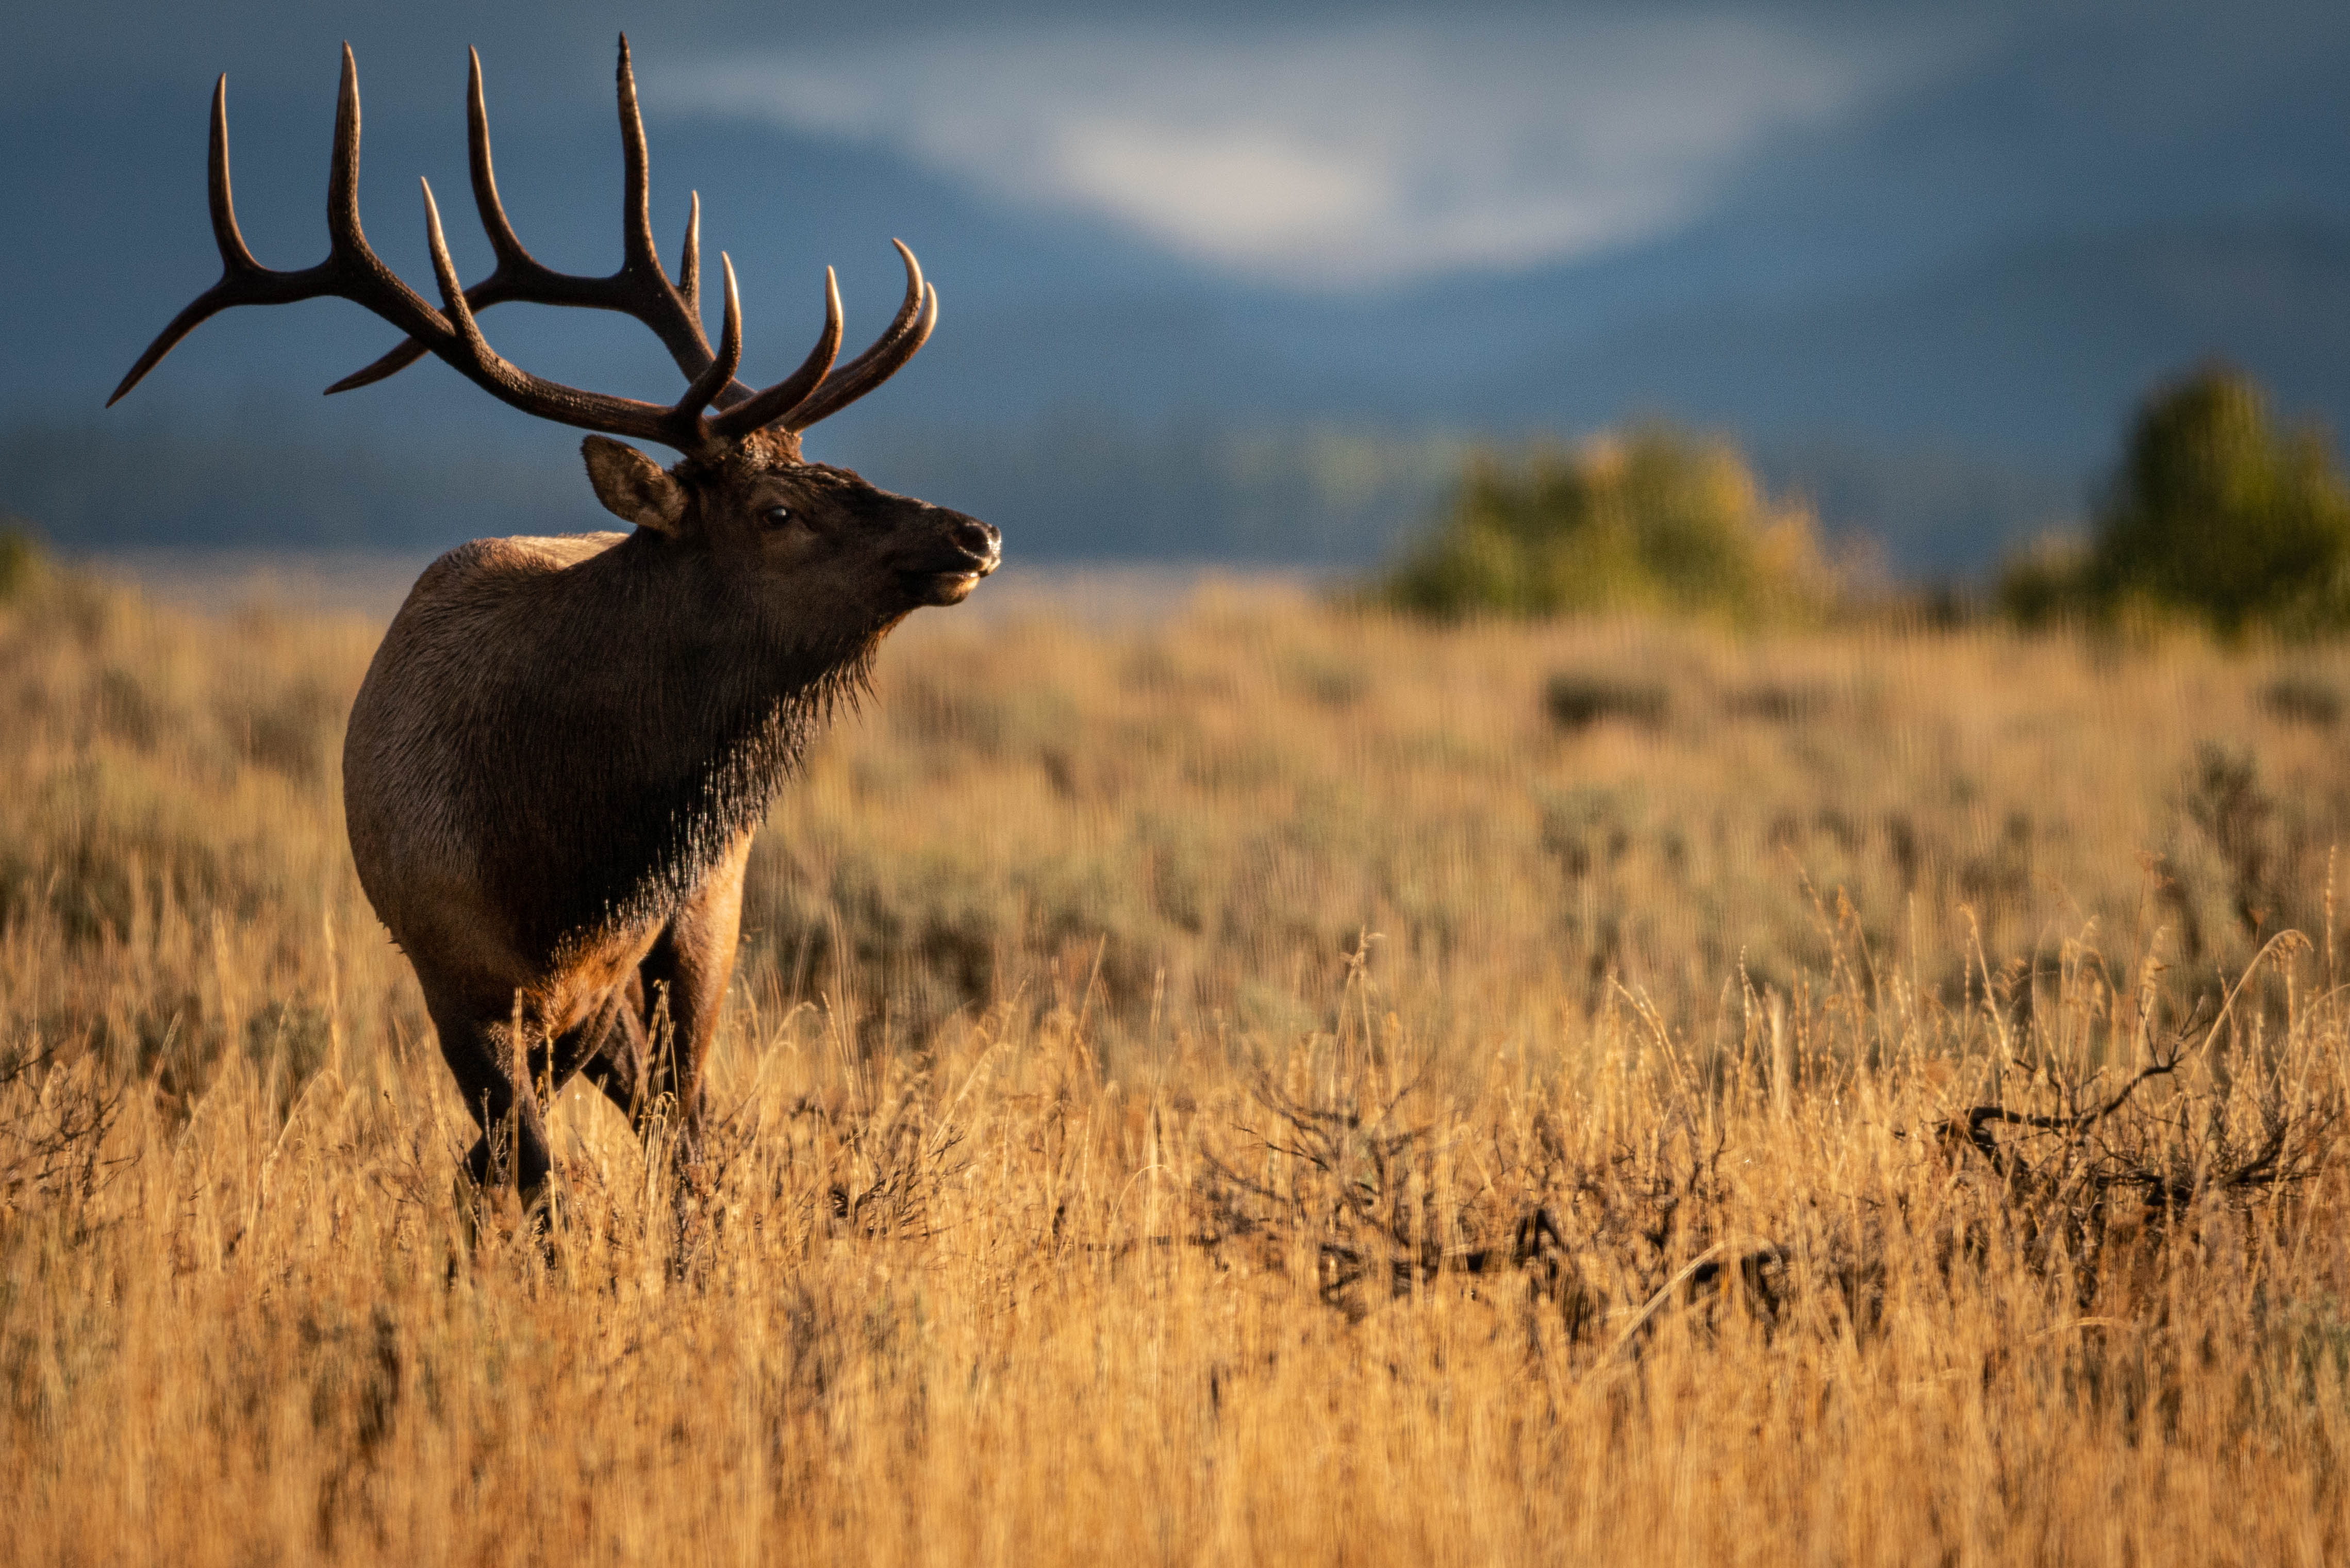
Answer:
(975, 538)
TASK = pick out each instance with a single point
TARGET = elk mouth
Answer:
(946, 585)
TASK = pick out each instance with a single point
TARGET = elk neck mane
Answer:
(623, 773)
(726, 763)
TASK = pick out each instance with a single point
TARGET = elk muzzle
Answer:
(945, 567)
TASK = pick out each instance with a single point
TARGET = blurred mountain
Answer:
(2030, 351)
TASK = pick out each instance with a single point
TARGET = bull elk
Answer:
(563, 746)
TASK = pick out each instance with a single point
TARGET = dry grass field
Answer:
(1262, 1083)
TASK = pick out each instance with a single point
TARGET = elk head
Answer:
(833, 546)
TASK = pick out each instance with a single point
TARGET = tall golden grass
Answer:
(1265, 1082)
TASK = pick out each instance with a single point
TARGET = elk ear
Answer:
(632, 486)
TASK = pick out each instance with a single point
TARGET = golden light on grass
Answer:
(1269, 1084)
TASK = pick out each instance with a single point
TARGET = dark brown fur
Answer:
(564, 746)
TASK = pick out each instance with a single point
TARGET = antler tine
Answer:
(730, 358)
(516, 266)
(239, 271)
(833, 397)
(348, 250)
(453, 293)
(907, 308)
(916, 318)
(235, 254)
(688, 268)
(503, 242)
(780, 400)
(636, 199)
(353, 271)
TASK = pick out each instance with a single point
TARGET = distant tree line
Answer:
(2216, 513)
(1075, 484)
(2216, 517)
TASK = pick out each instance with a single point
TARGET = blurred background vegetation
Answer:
(1655, 519)
(20, 556)
(2215, 515)
(2215, 512)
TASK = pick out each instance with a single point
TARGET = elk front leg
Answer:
(493, 1067)
(684, 981)
(612, 1052)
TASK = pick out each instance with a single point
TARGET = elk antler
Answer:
(640, 289)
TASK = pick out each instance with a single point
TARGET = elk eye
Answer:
(775, 516)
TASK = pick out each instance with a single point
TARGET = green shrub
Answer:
(2215, 515)
(2044, 582)
(1656, 519)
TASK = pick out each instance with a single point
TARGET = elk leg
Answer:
(686, 974)
(513, 1147)
(612, 1053)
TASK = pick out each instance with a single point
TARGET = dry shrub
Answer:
(57, 1110)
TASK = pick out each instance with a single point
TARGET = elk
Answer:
(563, 747)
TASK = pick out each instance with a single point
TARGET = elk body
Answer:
(563, 747)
